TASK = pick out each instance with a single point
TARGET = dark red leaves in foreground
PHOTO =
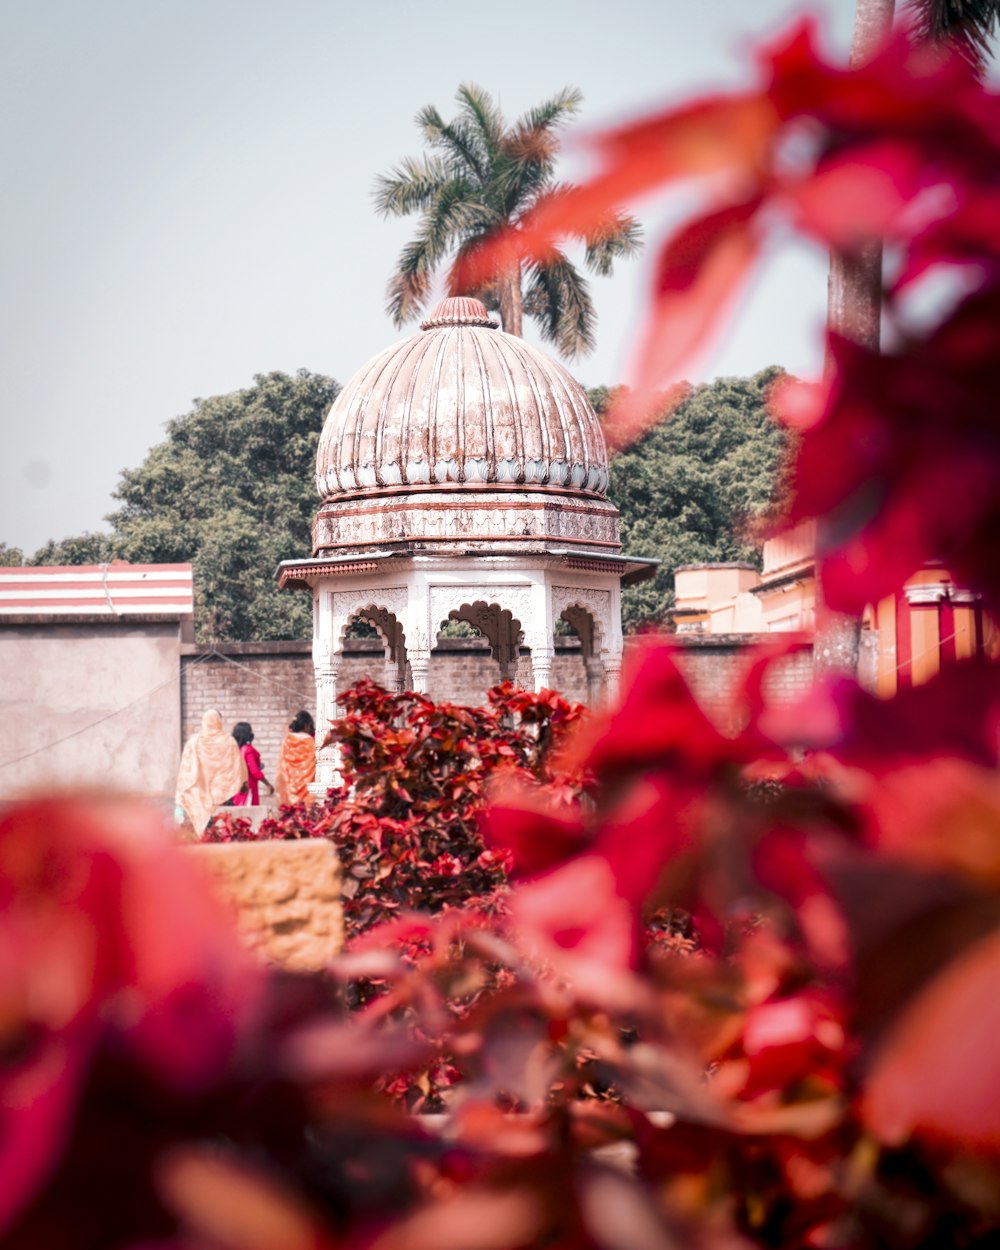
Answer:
(770, 997)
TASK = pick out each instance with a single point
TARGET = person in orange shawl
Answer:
(211, 771)
(297, 762)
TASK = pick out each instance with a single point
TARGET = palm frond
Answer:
(451, 217)
(620, 236)
(406, 292)
(515, 185)
(458, 139)
(534, 147)
(408, 188)
(481, 176)
(967, 26)
(483, 112)
(527, 162)
(558, 299)
(556, 111)
(430, 122)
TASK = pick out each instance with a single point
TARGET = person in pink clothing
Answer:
(250, 794)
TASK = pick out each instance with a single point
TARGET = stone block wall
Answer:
(266, 683)
(284, 897)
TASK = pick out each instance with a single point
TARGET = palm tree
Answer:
(482, 175)
(967, 26)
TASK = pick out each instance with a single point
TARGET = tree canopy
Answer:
(690, 489)
(230, 489)
(480, 176)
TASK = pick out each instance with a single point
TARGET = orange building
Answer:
(929, 623)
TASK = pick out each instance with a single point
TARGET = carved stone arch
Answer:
(499, 612)
(585, 628)
(576, 603)
(389, 629)
(588, 610)
(384, 609)
(515, 600)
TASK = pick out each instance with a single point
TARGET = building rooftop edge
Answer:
(717, 564)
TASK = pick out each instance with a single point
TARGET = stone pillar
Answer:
(595, 679)
(612, 677)
(420, 669)
(327, 761)
(392, 678)
(541, 667)
(420, 635)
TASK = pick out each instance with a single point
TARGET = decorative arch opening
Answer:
(474, 672)
(380, 623)
(585, 669)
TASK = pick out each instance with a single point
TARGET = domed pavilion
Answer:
(463, 476)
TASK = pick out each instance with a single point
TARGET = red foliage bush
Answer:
(820, 1069)
(415, 776)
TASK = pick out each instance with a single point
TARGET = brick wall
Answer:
(714, 664)
(266, 683)
(263, 683)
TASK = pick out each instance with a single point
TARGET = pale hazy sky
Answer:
(187, 186)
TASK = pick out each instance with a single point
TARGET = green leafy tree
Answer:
(10, 556)
(692, 488)
(230, 489)
(480, 175)
(83, 549)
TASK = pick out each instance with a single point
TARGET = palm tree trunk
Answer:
(512, 303)
(854, 311)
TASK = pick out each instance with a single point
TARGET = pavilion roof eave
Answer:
(299, 574)
(631, 569)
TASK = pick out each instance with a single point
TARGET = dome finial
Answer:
(459, 310)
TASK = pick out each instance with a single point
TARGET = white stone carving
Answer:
(326, 711)
(392, 520)
(541, 668)
(612, 675)
(517, 600)
(348, 604)
(937, 592)
(596, 602)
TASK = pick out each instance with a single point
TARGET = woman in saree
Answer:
(243, 737)
(211, 772)
(297, 762)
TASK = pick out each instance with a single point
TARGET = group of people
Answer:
(219, 769)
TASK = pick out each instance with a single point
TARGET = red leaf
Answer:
(700, 271)
(939, 1070)
(536, 836)
(574, 921)
(691, 140)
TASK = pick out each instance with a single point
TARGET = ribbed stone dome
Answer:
(461, 403)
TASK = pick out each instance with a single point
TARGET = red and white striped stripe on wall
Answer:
(116, 589)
